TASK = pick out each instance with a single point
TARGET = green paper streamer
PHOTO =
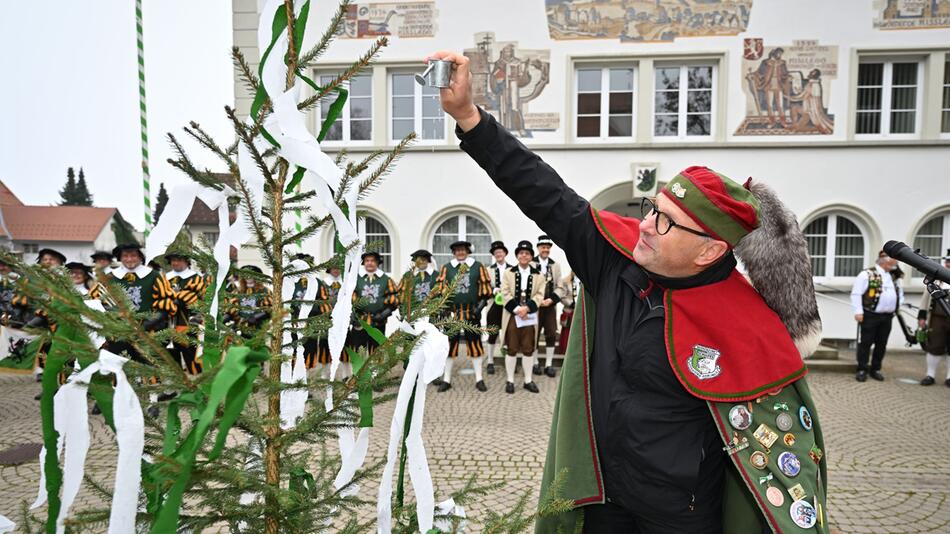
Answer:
(333, 112)
(364, 391)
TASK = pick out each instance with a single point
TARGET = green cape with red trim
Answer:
(726, 346)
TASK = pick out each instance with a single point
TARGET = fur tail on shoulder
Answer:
(776, 259)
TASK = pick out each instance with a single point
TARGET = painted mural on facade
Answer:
(911, 14)
(400, 19)
(505, 79)
(787, 88)
(645, 20)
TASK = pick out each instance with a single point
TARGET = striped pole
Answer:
(147, 195)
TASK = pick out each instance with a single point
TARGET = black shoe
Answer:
(39, 377)
(862, 376)
(490, 369)
(536, 369)
(550, 371)
(438, 381)
(445, 386)
(947, 382)
(152, 412)
(162, 397)
(38, 396)
(480, 386)
(928, 381)
(510, 387)
(532, 387)
(96, 410)
(876, 375)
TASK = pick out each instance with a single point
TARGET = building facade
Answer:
(842, 107)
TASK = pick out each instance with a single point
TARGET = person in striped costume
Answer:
(472, 290)
(189, 287)
(375, 298)
(33, 312)
(417, 283)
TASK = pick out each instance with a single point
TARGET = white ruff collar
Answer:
(141, 271)
(468, 261)
(187, 273)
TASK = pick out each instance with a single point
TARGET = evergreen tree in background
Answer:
(67, 195)
(82, 197)
(160, 202)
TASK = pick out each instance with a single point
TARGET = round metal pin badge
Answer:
(789, 464)
(784, 421)
(740, 417)
(803, 514)
(759, 460)
(775, 496)
(804, 417)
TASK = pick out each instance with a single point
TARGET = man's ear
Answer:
(711, 252)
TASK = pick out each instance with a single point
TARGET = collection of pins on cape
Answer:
(802, 512)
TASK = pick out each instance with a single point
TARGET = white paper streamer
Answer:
(293, 402)
(71, 421)
(426, 362)
(448, 507)
(6, 525)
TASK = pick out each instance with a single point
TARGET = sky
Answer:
(71, 94)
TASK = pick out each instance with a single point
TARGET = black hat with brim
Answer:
(497, 245)
(118, 250)
(101, 255)
(78, 265)
(460, 244)
(50, 252)
(545, 240)
(524, 245)
(421, 253)
(379, 259)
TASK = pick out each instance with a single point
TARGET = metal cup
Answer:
(438, 73)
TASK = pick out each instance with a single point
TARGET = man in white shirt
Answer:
(497, 269)
(875, 298)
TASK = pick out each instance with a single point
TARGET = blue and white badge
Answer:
(789, 464)
(803, 514)
(804, 417)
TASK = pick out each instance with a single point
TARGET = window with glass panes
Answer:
(605, 101)
(683, 100)
(376, 237)
(933, 239)
(415, 109)
(355, 122)
(836, 246)
(945, 107)
(461, 227)
(888, 97)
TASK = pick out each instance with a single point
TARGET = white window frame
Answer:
(345, 114)
(605, 101)
(30, 248)
(945, 242)
(417, 113)
(462, 232)
(944, 87)
(831, 242)
(885, 111)
(683, 100)
(388, 262)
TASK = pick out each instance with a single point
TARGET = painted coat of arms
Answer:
(703, 362)
(370, 293)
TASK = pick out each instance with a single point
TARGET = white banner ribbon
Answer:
(293, 402)
(426, 362)
(6, 525)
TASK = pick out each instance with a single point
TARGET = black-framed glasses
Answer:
(663, 221)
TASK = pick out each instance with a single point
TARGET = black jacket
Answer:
(658, 446)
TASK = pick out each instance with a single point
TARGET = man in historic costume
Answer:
(148, 291)
(875, 298)
(33, 313)
(250, 308)
(682, 405)
(472, 291)
(573, 285)
(375, 298)
(418, 282)
(934, 322)
(771, 79)
(554, 291)
(102, 261)
(189, 287)
(522, 291)
(81, 275)
(316, 350)
(498, 267)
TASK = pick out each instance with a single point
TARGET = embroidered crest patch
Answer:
(678, 190)
(370, 293)
(703, 362)
(135, 295)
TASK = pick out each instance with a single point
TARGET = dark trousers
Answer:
(875, 329)
(610, 518)
(188, 354)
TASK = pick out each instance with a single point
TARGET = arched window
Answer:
(836, 245)
(933, 238)
(461, 227)
(375, 236)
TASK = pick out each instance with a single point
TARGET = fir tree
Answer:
(190, 479)
(82, 197)
(67, 195)
(160, 202)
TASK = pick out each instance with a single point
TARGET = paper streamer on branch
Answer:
(448, 507)
(426, 362)
(71, 422)
(6, 525)
(293, 402)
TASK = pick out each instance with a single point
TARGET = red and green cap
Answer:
(722, 208)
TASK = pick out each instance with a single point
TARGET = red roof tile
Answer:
(55, 223)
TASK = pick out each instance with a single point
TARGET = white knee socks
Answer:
(477, 365)
(548, 356)
(447, 376)
(527, 362)
(510, 363)
(932, 362)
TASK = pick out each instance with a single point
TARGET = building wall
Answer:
(888, 186)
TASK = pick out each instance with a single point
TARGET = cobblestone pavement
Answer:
(887, 445)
